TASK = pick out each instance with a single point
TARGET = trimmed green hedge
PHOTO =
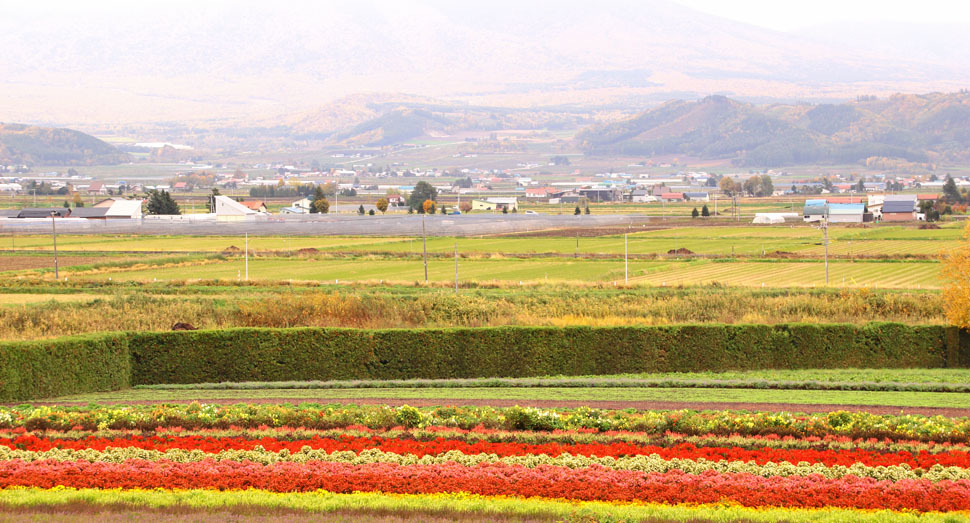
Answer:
(334, 354)
(50, 368)
(113, 361)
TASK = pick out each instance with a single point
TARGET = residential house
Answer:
(899, 209)
(542, 192)
(672, 196)
(642, 196)
(257, 206)
(495, 204)
(97, 189)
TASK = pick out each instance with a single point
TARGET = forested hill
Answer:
(25, 144)
(917, 128)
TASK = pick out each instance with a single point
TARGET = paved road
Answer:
(409, 225)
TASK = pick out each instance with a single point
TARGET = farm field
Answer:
(769, 273)
(815, 445)
(711, 240)
(47, 309)
(478, 463)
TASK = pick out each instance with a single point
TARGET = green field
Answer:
(883, 274)
(711, 240)
(814, 397)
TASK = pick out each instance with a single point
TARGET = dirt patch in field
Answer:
(682, 250)
(19, 263)
(307, 251)
(951, 412)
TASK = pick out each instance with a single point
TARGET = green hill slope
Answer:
(31, 145)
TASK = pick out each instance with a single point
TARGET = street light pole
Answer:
(57, 275)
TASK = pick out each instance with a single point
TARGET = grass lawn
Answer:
(899, 399)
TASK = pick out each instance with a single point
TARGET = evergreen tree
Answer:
(950, 192)
(587, 208)
(705, 211)
(161, 202)
(360, 210)
(577, 212)
(694, 213)
(422, 192)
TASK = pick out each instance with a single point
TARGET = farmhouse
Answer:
(899, 208)
(642, 196)
(672, 196)
(97, 189)
(495, 204)
(257, 206)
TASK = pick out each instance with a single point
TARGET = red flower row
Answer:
(592, 483)
(438, 446)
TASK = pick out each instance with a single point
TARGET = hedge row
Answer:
(50, 368)
(113, 361)
(334, 354)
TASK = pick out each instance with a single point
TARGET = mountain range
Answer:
(917, 128)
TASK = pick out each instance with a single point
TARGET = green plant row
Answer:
(605, 382)
(30, 370)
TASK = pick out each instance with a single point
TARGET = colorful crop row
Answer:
(440, 445)
(593, 483)
(320, 502)
(731, 459)
(194, 416)
(479, 435)
(649, 464)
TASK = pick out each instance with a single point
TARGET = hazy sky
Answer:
(787, 15)
(783, 15)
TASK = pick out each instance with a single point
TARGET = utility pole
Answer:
(247, 256)
(626, 259)
(715, 205)
(456, 266)
(577, 244)
(825, 230)
(57, 275)
(424, 236)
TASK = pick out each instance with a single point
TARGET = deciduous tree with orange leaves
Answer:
(956, 292)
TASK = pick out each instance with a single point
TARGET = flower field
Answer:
(578, 464)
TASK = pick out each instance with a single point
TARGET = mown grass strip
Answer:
(326, 502)
(629, 394)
